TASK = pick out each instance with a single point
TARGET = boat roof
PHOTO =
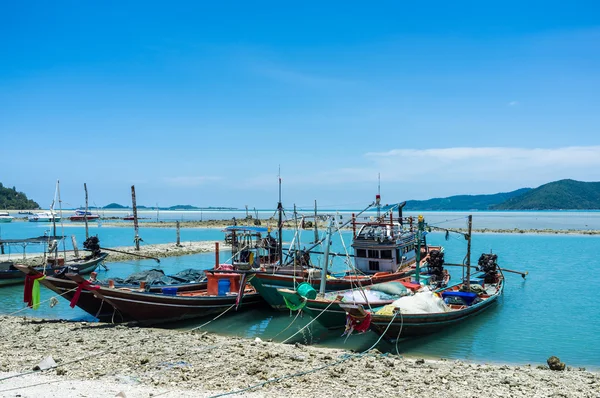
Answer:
(39, 239)
(245, 228)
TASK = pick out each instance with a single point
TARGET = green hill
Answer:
(557, 195)
(115, 206)
(10, 199)
(464, 202)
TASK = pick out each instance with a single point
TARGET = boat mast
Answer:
(136, 238)
(468, 281)
(420, 228)
(280, 211)
(85, 218)
(326, 258)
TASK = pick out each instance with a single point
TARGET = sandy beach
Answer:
(100, 360)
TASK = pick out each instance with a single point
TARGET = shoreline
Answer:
(158, 250)
(102, 360)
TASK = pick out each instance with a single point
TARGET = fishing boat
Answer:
(82, 215)
(87, 301)
(222, 290)
(10, 274)
(429, 311)
(327, 309)
(5, 217)
(44, 216)
(384, 250)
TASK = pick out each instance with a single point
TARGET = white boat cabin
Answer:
(383, 248)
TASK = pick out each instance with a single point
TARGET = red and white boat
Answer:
(81, 215)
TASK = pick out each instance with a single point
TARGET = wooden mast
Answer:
(468, 281)
(326, 258)
(280, 227)
(85, 218)
(136, 238)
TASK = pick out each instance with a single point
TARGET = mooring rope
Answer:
(313, 370)
(308, 324)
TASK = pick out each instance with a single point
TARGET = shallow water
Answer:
(552, 312)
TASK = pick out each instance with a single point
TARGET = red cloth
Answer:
(27, 298)
(360, 325)
(83, 285)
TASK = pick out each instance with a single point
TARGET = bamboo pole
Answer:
(136, 238)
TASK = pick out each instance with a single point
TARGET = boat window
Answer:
(373, 254)
(373, 265)
(398, 256)
(361, 253)
(387, 254)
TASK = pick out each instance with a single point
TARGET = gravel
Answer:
(100, 360)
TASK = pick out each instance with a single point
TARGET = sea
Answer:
(553, 311)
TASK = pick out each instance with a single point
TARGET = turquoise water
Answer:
(552, 312)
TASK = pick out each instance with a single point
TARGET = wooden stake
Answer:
(178, 234)
(136, 238)
(85, 218)
(75, 249)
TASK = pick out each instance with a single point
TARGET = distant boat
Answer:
(25, 212)
(81, 215)
(5, 217)
(45, 216)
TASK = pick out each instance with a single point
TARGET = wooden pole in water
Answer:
(85, 218)
(136, 238)
(216, 255)
(178, 234)
(316, 222)
(468, 281)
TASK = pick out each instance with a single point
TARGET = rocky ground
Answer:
(96, 360)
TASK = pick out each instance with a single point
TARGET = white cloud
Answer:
(513, 103)
(189, 181)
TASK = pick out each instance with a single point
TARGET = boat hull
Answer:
(410, 325)
(100, 309)
(267, 284)
(82, 218)
(15, 277)
(155, 308)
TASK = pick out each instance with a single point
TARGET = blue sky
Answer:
(199, 103)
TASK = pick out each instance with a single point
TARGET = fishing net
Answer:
(421, 303)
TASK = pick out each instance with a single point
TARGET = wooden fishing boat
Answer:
(327, 308)
(170, 305)
(459, 305)
(385, 249)
(90, 303)
(430, 311)
(10, 275)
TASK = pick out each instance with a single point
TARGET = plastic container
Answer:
(307, 291)
(224, 286)
(169, 291)
(466, 297)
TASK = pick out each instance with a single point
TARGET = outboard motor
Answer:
(436, 265)
(488, 264)
(92, 244)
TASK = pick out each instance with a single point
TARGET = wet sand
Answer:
(98, 360)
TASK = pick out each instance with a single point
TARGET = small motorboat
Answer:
(5, 217)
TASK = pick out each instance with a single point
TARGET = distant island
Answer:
(10, 199)
(557, 195)
(116, 206)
